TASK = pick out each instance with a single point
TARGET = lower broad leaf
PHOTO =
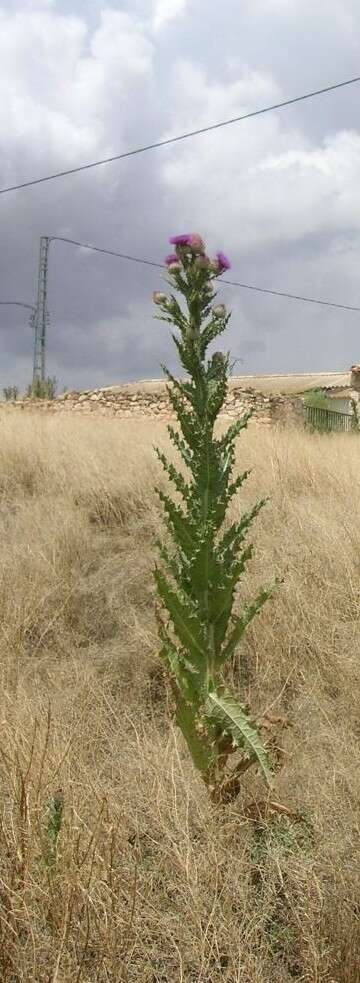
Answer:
(234, 721)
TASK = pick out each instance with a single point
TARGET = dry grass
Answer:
(152, 883)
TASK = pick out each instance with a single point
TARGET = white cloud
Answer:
(62, 88)
(166, 10)
(30, 4)
(316, 189)
(244, 178)
(120, 44)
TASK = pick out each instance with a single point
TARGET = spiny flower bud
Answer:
(219, 310)
(174, 267)
(202, 261)
(160, 298)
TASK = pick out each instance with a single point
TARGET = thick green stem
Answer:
(205, 515)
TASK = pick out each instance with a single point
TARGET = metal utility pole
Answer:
(41, 315)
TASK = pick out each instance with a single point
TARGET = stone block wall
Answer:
(149, 399)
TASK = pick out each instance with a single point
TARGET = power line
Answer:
(16, 303)
(182, 136)
(231, 283)
(282, 293)
(109, 252)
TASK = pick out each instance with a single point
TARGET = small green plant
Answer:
(55, 808)
(317, 422)
(198, 578)
(10, 393)
(317, 399)
(42, 388)
(355, 418)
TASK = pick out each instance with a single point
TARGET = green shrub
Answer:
(317, 399)
(42, 388)
(10, 393)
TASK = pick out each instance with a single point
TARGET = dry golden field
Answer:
(153, 883)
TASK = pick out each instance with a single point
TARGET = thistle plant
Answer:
(199, 572)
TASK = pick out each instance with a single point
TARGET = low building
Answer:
(340, 395)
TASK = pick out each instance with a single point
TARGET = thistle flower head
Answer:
(223, 262)
(181, 240)
(189, 241)
(172, 261)
(196, 243)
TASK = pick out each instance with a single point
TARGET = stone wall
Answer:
(149, 399)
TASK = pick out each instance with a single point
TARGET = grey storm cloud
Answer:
(279, 193)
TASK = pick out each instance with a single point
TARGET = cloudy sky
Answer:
(280, 194)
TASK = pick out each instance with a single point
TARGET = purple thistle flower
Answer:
(182, 240)
(196, 243)
(223, 261)
(171, 258)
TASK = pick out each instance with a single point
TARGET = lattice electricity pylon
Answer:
(41, 321)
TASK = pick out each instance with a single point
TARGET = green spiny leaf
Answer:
(185, 419)
(210, 332)
(233, 538)
(181, 446)
(186, 623)
(185, 535)
(178, 480)
(242, 621)
(177, 315)
(180, 670)
(222, 598)
(185, 388)
(233, 431)
(177, 565)
(231, 716)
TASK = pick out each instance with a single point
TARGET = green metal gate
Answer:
(327, 421)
